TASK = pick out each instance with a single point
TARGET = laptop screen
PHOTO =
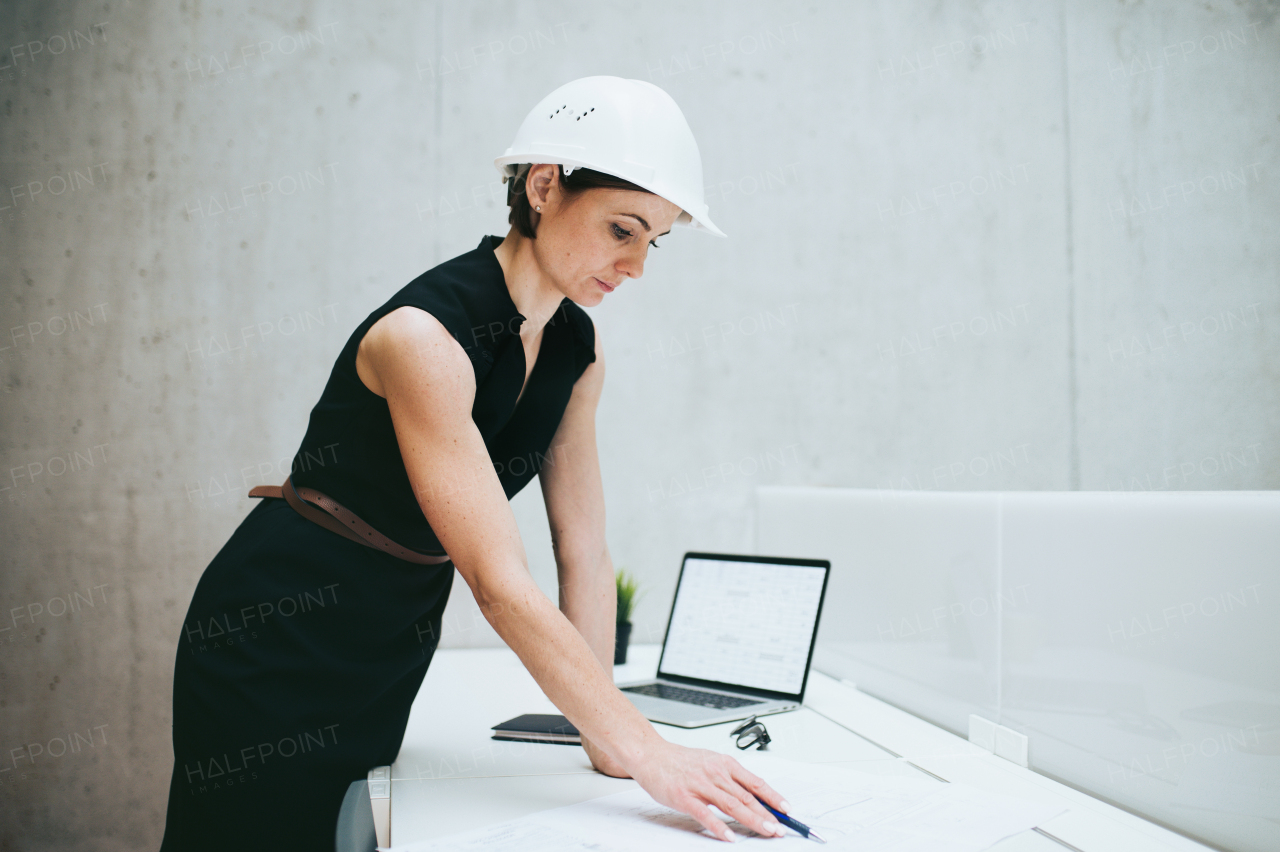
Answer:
(744, 623)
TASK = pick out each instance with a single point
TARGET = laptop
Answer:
(739, 640)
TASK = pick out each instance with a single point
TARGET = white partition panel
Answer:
(1135, 638)
(1146, 667)
(910, 618)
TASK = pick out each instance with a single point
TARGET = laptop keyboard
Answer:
(691, 696)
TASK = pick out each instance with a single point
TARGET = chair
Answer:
(364, 820)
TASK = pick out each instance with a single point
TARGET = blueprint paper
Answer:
(851, 810)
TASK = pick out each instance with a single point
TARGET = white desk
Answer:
(450, 776)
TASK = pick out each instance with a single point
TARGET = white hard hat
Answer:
(630, 129)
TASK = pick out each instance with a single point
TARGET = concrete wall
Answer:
(972, 246)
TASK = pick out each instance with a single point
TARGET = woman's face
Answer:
(589, 243)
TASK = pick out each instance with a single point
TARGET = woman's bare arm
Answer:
(429, 386)
(574, 497)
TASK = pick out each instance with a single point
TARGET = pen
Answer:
(793, 824)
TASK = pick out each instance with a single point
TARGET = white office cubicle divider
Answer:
(1134, 638)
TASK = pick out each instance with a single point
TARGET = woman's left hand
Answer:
(602, 761)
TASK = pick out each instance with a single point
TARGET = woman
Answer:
(310, 632)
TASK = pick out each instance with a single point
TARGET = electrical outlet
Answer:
(1011, 745)
(982, 733)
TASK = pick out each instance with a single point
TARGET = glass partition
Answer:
(1135, 638)
(910, 618)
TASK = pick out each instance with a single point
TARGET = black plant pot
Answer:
(621, 638)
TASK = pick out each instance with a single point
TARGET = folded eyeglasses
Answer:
(751, 733)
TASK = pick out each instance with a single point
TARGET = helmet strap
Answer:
(515, 182)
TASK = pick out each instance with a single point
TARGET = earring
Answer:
(539, 209)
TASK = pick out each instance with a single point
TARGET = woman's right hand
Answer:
(690, 779)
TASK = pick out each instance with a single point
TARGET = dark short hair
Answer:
(577, 182)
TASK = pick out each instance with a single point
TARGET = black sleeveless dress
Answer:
(302, 650)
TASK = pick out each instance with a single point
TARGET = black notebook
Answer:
(538, 728)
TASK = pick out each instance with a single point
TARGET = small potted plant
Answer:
(627, 598)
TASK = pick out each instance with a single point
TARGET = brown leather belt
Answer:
(341, 520)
